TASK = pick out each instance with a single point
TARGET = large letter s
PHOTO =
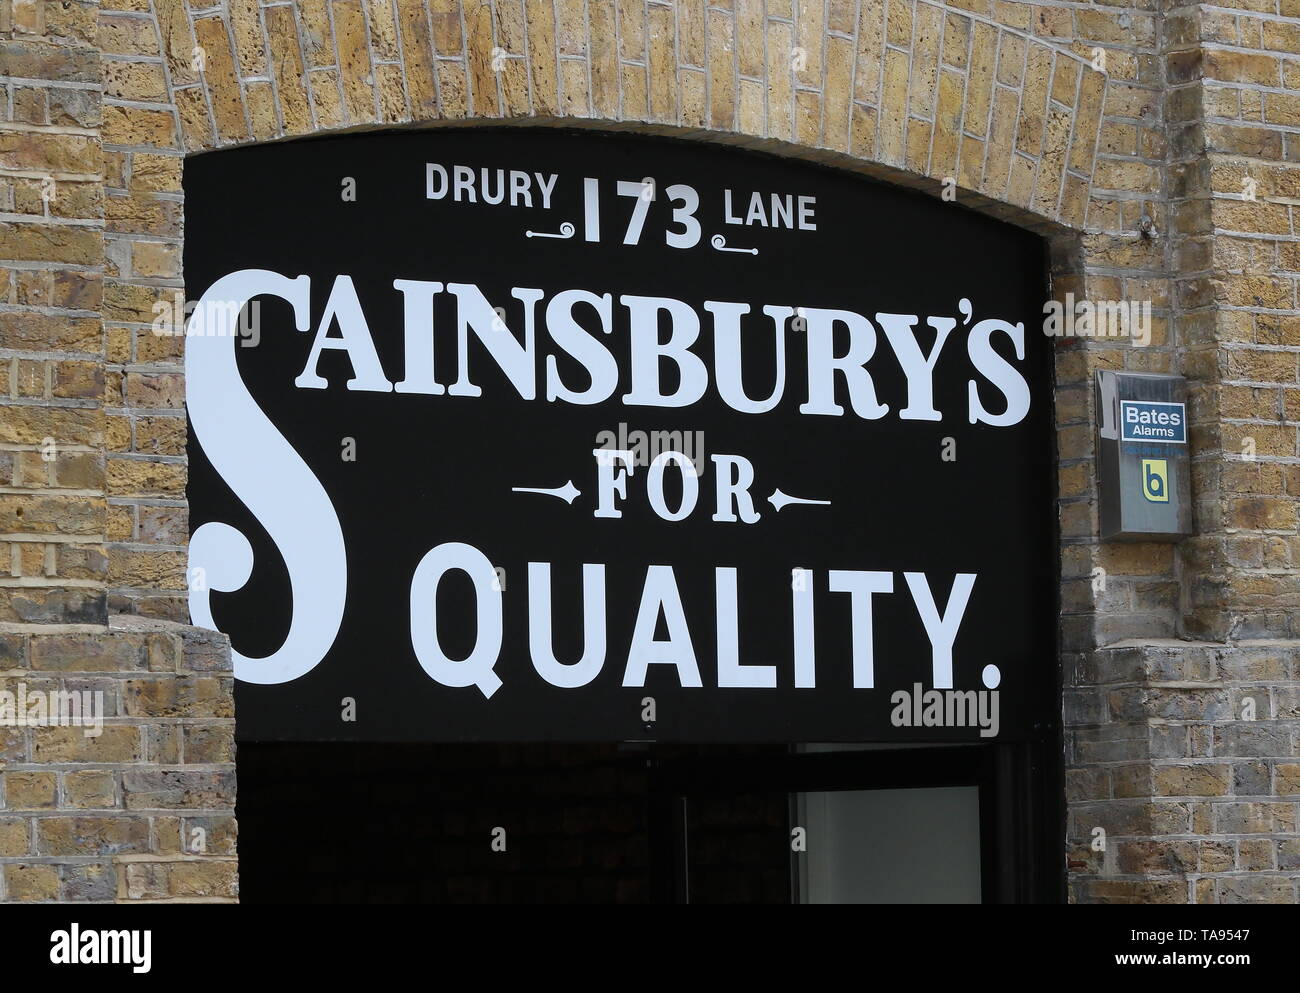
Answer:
(272, 480)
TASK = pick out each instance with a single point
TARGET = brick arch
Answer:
(918, 93)
(909, 91)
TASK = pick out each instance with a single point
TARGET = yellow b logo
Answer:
(1155, 480)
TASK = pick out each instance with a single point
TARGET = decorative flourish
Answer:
(779, 500)
(720, 243)
(568, 492)
(566, 231)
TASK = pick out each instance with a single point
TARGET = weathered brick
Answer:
(30, 790)
(175, 789)
(31, 883)
(92, 835)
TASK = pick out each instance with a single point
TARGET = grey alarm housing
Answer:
(1143, 456)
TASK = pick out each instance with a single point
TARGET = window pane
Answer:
(890, 846)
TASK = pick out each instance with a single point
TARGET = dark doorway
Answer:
(636, 823)
(381, 823)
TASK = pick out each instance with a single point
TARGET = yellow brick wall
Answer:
(1121, 131)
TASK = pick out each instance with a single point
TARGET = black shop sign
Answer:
(537, 435)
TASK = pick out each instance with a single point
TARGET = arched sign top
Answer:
(562, 435)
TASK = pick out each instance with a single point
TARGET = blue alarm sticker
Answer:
(1153, 420)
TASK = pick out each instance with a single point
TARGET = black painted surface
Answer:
(435, 469)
